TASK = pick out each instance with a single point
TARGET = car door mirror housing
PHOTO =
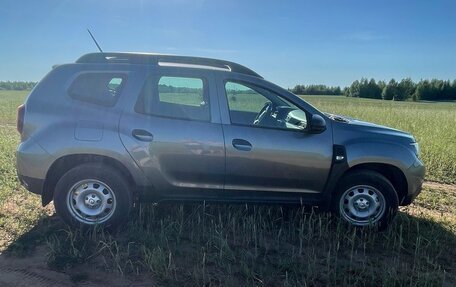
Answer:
(317, 124)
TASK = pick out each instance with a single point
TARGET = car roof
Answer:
(165, 60)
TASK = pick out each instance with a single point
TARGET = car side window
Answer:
(176, 97)
(256, 106)
(244, 99)
(97, 88)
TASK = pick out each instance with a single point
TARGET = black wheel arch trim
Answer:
(338, 168)
(63, 164)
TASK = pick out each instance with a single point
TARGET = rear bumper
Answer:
(32, 163)
(34, 185)
(415, 179)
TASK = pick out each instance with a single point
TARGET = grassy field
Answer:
(238, 245)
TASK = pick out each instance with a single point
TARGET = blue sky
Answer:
(287, 42)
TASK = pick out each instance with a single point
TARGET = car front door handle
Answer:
(242, 145)
(142, 135)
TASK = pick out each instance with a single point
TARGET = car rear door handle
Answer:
(241, 144)
(142, 135)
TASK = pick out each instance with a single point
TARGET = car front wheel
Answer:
(366, 198)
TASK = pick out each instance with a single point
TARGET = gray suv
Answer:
(113, 128)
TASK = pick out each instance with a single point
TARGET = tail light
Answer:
(20, 118)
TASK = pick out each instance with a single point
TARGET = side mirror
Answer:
(317, 124)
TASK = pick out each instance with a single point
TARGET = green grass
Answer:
(9, 101)
(189, 99)
(251, 245)
(239, 245)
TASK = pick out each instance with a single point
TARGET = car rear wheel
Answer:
(92, 194)
(366, 198)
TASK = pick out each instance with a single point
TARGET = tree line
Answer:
(16, 85)
(316, 90)
(162, 88)
(406, 89)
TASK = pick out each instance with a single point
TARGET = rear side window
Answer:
(181, 91)
(97, 88)
(176, 97)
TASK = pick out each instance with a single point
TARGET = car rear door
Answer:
(267, 158)
(174, 134)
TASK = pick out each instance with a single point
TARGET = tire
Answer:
(93, 194)
(366, 199)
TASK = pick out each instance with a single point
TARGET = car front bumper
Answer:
(415, 179)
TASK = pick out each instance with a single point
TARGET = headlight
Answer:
(416, 148)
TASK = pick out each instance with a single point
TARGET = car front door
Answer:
(174, 134)
(268, 144)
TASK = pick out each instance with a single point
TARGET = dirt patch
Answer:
(440, 186)
(33, 271)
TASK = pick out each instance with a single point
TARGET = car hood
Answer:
(363, 126)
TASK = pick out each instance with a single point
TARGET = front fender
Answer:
(379, 152)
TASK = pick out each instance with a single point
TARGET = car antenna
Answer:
(93, 38)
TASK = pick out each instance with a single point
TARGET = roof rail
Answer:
(155, 59)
